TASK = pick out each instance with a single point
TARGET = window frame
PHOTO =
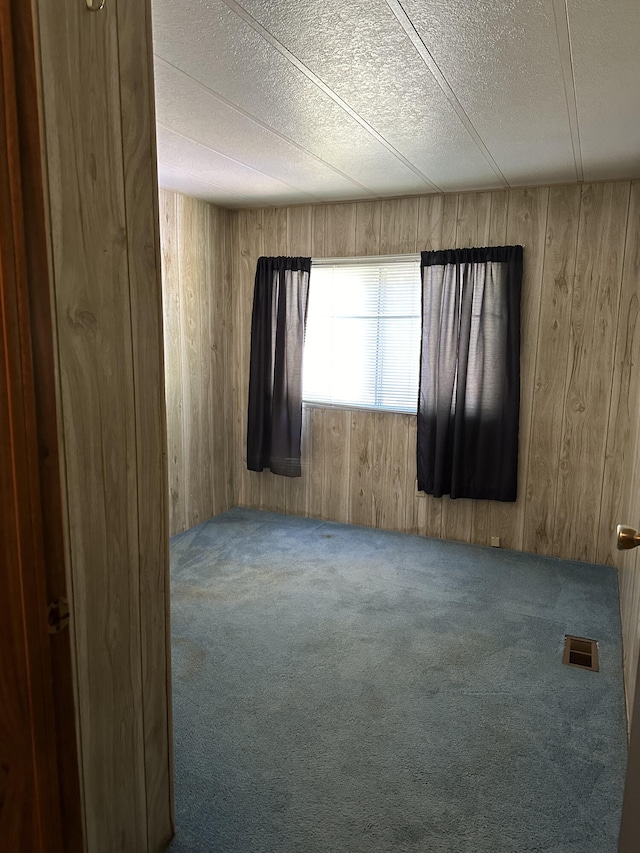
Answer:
(366, 260)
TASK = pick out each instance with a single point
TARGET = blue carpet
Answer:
(345, 690)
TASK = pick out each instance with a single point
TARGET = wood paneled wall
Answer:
(99, 127)
(579, 399)
(197, 319)
(575, 418)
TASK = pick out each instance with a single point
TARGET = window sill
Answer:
(312, 404)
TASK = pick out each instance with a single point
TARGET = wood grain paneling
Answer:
(549, 382)
(361, 473)
(99, 127)
(196, 363)
(144, 263)
(625, 395)
(172, 357)
(526, 225)
(336, 449)
(96, 370)
(299, 221)
(389, 465)
(219, 286)
(315, 470)
(339, 231)
(198, 322)
(368, 216)
(589, 374)
(247, 248)
(430, 221)
(398, 226)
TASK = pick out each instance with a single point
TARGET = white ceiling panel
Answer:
(189, 109)
(214, 45)
(605, 38)
(181, 153)
(288, 101)
(189, 183)
(501, 58)
(362, 53)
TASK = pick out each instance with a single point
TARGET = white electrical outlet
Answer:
(495, 541)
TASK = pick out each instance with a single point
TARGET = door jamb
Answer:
(32, 352)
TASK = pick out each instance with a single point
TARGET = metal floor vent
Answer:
(579, 651)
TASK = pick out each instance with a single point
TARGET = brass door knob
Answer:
(626, 537)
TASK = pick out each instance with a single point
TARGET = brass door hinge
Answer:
(58, 615)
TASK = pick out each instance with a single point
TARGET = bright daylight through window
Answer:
(362, 345)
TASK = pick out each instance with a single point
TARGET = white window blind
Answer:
(362, 345)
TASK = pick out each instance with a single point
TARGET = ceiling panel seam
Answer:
(561, 14)
(263, 124)
(297, 63)
(239, 162)
(423, 51)
(206, 181)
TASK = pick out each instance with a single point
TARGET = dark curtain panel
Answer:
(275, 378)
(469, 399)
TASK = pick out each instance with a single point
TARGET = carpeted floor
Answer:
(345, 690)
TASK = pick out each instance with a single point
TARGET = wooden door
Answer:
(630, 829)
(39, 788)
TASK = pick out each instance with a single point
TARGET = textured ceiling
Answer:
(287, 101)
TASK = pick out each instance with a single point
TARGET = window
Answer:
(362, 345)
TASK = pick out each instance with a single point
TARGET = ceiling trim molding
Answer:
(416, 39)
(293, 59)
(561, 14)
(245, 114)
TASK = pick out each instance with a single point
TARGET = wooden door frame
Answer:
(31, 494)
